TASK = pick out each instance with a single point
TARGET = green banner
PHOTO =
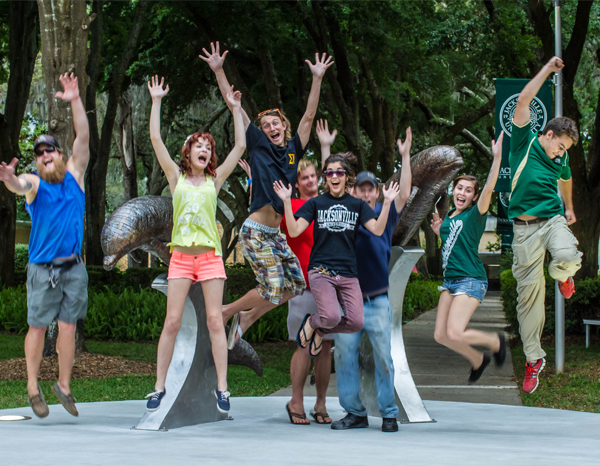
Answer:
(507, 94)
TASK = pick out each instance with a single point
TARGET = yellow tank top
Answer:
(195, 215)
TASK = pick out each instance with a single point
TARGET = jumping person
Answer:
(373, 276)
(195, 244)
(56, 275)
(332, 267)
(274, 155)
(465, 280)
(537, 162)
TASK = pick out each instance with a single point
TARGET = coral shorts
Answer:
(196, 267)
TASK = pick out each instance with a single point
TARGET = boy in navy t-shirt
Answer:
(373, 256)
(274, 155)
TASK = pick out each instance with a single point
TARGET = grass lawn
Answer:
(242, 380)
(577, 389)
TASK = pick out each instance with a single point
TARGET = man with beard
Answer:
(56, 275)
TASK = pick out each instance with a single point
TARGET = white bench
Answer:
(587, 323)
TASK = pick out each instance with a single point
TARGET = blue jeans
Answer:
(470, 286)
(378, 324)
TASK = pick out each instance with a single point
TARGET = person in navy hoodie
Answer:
(56, 275)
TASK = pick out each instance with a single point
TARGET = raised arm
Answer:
(483, 204)
(295, 227)
(162, 154)
(406, 175)
(522, 116)
(215, 60)
(377, 227)
(80, 158)
(25, 184)
(234, 101)
(318, 71)
(326, 140)
(566, 191)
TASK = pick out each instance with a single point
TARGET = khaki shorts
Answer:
(67, 301)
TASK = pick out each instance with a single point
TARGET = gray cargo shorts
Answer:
(67, 300)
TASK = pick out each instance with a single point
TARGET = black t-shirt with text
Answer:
(270, 163)
(335, 230)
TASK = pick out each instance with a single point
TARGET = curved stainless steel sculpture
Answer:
(410, 405)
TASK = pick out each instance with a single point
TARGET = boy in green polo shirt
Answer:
(538, 163)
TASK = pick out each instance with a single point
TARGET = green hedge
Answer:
(585, 303)
(21, 256)
(122, 306)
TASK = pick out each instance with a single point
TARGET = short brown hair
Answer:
(472, 179)
(563, 126)
(278, 113)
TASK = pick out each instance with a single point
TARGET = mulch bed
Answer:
(86, 366)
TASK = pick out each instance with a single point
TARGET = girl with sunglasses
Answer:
(332, 275)
(274, 155)
(465, 280)
(196, 247)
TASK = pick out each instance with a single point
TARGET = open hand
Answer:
(8, 171)
(325, 137)
(283, 192)
(245, 167)
(404, 147)
(391, 192)
(234, 98)
(436, 223)
(70, 87)
(321, 65)
(497, 146)
(214, 58)
(156, 89)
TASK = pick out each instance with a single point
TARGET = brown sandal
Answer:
(296, 416)
(38, 404)
(316, 417)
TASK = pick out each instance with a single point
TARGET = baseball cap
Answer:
(366, 177)
(45, 139)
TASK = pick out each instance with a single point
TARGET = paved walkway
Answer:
(441, 374)
(261, 434)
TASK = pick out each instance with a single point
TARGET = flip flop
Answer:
(301, 329)
(316, 417)
(296, 416)
(314, 350)
(235, 329)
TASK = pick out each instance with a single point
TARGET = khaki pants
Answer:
(530, 244)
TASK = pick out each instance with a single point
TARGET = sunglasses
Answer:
(339, 173)
(48, 150)
(274, 110)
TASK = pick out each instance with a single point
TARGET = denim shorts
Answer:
(470, 286)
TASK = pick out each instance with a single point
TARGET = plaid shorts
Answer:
(274, 264)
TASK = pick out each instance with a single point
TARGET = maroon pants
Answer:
(330, 294)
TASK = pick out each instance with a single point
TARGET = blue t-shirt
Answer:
(269, 163)
(56, 220)
(373, 254)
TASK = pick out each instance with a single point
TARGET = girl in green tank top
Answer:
(195, 244)
(465, 280)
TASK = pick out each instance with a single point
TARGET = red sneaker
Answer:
(567, 288)
(531, 375)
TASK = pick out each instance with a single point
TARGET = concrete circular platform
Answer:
(464, 434)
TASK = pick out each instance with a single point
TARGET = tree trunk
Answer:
(95, 181)
(22, 52)
(64, 35)
(137, 258)
(433, 252)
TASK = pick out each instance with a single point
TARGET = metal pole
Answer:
(559, 300)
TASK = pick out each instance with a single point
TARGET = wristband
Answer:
(249, 181)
